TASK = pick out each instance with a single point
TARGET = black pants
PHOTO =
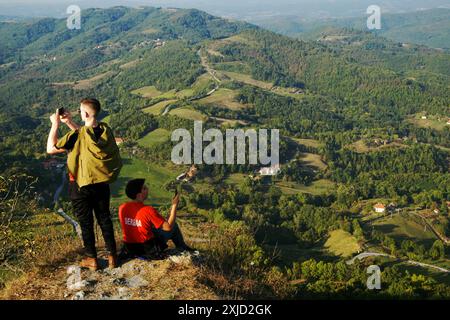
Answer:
(149, 250)
(153, 249)
(164, 236)
(86, 201)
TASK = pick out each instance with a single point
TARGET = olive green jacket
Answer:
(91, 161)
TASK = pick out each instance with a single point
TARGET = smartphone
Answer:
(60, 111)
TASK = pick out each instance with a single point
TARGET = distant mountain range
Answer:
(427, 27)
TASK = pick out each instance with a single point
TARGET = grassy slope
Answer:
(157, 136)
(342, 243)
(224, 98)
(403, 228)
(188, 113)
(158, 108)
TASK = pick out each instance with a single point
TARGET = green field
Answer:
(188, 113)
(158, 108)
(147, 92)
(236, 178)
(316, 188)
(203, 82)
(341, 243)
(314, 160)
(155, 137)
(361, 147)
(247, 79)
(156, 177)
(433, 122)
(224, 98)
(402, 227)
(290, 253)
(308, 142)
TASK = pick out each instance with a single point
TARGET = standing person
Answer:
(145, 231)
(93, 162)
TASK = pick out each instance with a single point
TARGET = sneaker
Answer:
(90, 263)
(112, 261)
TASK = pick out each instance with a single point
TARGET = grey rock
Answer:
(80, 295)
(136, 282)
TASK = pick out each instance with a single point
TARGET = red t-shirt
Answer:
(137, 221)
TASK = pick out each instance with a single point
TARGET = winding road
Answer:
(377, 254)
(211, 71)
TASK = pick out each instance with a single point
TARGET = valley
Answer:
(363, 127)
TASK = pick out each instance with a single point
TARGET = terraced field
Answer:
(188, 113)
(158, 108)
(147, 92)
(316, 187)
(85, 83)
(224, 98)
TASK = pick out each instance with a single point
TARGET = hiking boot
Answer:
(112, 261)
(90, 263)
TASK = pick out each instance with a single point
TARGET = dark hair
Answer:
(92, 103)
(134, 187)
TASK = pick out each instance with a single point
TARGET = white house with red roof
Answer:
(379, 208)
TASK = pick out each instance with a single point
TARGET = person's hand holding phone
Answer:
(176, 199)
(66, 117)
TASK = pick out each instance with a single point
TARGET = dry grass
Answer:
(247, 79)
(230, 266)
(57, 249)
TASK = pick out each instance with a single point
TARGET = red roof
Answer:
(379, 206)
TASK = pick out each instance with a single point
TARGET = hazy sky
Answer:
(240, 9)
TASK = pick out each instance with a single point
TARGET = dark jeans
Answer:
(153, 249)
(86, 201)
(149, 249)
(175, 235)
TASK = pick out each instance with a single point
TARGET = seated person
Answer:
(145, 231)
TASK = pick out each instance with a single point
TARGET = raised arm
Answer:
(53, 135)
(168, 225)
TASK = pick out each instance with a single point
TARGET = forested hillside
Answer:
(363, 120)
